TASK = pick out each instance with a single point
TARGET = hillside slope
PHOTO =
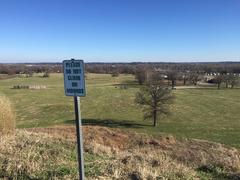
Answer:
(45, 153)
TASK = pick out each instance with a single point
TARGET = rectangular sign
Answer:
(74, 80)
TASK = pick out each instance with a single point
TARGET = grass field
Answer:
(205, 113)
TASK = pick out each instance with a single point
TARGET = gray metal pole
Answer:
(79, 137)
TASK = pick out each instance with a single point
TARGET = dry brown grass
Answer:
(49, 153)
(7, 116)
(137, 156)
(167, 158)
(27, 155)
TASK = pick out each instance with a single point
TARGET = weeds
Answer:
(7, 116)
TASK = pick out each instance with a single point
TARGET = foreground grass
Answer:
(49, 153)
(7, 115)
(208, 113)
(38, 156)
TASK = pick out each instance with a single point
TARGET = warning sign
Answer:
(74, 81)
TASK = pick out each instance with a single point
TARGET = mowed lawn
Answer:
(209, 113)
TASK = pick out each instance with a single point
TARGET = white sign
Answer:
(74, 81)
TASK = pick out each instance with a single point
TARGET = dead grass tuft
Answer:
(7, 116)
(147, 163)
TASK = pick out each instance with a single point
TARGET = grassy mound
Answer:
(7, 115)
(49, 153)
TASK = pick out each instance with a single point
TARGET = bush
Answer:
(115, 74)
(7, 116)
(46, 75)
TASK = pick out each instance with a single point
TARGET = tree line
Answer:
(123, 68)
(186, 73)
(174, 76)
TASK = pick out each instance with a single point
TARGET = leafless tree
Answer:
(46, 74)
(154, 77)
(226, 79)
(219, 79)
(184, 76)
(172, 77)
(155, 100)
(194, 77)
(140, 75)
(233, 80)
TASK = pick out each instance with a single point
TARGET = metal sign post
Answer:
(79, 137)
(74, 84)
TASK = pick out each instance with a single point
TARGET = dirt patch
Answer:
(115, 139)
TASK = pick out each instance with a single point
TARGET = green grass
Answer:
(209, 113)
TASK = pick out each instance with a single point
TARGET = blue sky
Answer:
(119, 30)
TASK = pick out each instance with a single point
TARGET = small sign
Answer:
(74, 80)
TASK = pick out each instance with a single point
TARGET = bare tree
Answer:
(233, 80)
(46, 74)
(155, 100)
(154, 77)
(226, 79)
(219, 79)
(140, 75)
(29, 73)
(172, 77)
(185, 77)
(194, 77)
(115, 74)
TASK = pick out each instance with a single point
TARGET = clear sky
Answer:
(119, 30)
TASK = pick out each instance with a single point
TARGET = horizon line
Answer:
(121, 62)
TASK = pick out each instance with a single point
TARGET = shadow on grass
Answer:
(128, 83)
(109, 123)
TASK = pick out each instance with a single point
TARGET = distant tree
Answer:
(226, 79)
(219, 79)
(46, 74)
(185, 77)
(115, 74)
(29, 73)
(140, 75)
(154, 77)
(194, 77)
(233, 80)
(10, 71)
(172, 77)
(155, 100)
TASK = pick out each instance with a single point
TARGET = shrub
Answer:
(115, 74)
(7, 116)
(46, 75)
